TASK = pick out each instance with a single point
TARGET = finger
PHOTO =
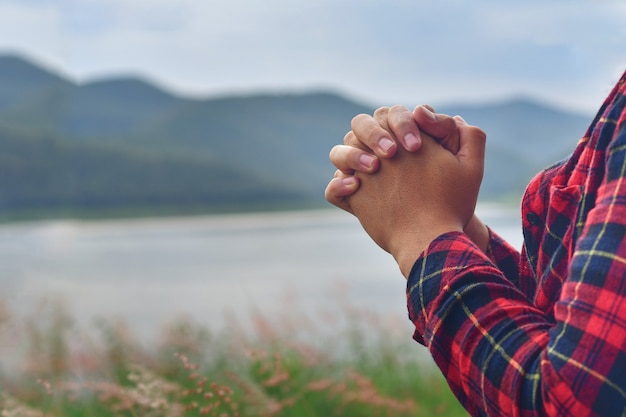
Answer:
(350, 139)
(403, 126)
(380, 115)
(349, 159)
(339, 188)
(472, 144)
(440, 126)
(370, 133)
(459, 120)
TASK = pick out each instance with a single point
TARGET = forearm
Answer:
(496, 350)
(478, 232)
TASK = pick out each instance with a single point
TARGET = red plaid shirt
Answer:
(542, 332)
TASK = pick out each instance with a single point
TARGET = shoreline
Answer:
(133, 214)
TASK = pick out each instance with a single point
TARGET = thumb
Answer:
(472, 143)
(440, 126)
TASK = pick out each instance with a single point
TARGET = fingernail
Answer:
(385, 144)
(411, 141)
(348, 181)
(367, 160)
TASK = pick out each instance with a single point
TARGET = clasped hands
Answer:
(410, 177)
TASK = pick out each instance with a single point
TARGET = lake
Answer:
(150, 271)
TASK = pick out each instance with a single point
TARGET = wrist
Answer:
(478, 233)
(409, 249)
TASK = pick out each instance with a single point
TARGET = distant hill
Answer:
(21, 81)
(125, 144)
(523, 137)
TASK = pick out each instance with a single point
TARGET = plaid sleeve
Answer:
(500, 354)
(587, 354)
(504, 256)
(483, 333)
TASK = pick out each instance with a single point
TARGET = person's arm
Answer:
(482, 332)
(502, 356)
(503, 255)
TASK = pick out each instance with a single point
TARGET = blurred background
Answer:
(161, 158)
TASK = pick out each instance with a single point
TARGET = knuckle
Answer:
(334, 153)
(381, 111)
(359, 118)
(448, 121)
(398, 108)
(350, 139)
(400, 116)
(371, 133)
(479, 133)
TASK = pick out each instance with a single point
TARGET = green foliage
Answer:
(124, 145)
(41, 173)
(268, 371)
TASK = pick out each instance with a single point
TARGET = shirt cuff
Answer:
(446, 256)
(504, 256)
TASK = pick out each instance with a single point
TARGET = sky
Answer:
(568, 53)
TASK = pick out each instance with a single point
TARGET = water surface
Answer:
(148, 272)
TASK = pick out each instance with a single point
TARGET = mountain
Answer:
(21, 80)
(285, 135)
(125, 144)
(523, 137)
(42, 174)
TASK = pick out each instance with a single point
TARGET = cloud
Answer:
(32, 29)
(384, 52)
(81, 17)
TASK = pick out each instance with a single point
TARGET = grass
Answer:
(286, 366)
